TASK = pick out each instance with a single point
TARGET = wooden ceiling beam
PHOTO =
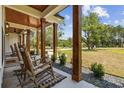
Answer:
(19, 26)
(20, 18)
(52, 10)
(26, 10)
(48, 10)
(40, 8)
(13, 30)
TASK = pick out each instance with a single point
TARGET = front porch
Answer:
(11, 80)
(21, 21)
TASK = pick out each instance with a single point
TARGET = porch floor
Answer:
(68, 83)
(11, 81)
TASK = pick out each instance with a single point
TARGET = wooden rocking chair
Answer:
(34, 71)
(17, 50)
(20, 60)
(13, 51)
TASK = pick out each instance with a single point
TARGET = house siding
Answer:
(1, 50)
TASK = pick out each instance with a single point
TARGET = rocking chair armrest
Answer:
(42, 65)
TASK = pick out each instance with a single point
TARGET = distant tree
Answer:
(33, 40)
(61, 27)
(49, 35)
(119, 35)
(99, 34)
(65, 43)
(105, 35)
(90, 28)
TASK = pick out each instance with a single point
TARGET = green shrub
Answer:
(62, 59)
(32, 52)
(53, 58)
(98, 70)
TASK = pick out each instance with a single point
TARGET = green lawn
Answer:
(112, 59)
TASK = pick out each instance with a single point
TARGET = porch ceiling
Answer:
(20, 18)
(41, 8)
(40, 11)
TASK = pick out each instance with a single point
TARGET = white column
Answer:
(1, 39)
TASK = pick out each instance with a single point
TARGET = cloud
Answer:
(119, 22)
(109, 21)
(86, 9)
(70, 25)
(122, 20)
(67, 17)
(105, 23)
(122, 13)
(102, 12)
(116, 21)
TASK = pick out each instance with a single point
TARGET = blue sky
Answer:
(108, 14)
(67, 14)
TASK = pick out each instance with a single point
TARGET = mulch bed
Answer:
(108, 81)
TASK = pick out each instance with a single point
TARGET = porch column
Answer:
(77, 58)
(55, 27)
(43, 41)
(28, 40)
(20, 38)
(23, 39)
(38, 41)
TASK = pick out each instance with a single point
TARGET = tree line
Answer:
(97, 34)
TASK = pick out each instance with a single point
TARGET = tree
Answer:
(49, 35)
(119, 35)
(105, 35)
(33, 40)
(90, 27)
(65, 43)
(98, 34)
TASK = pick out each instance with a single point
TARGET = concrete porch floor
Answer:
(69, 83)
(11, 81)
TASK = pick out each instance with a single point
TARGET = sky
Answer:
(108, 14)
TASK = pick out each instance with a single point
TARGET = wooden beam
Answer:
(23, 19)
(77, 58)
(43, 41)
(28, 41)
(55, 27)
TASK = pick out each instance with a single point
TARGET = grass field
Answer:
(112, 59)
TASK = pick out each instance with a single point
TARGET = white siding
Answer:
(10, 39)
(1, 66)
